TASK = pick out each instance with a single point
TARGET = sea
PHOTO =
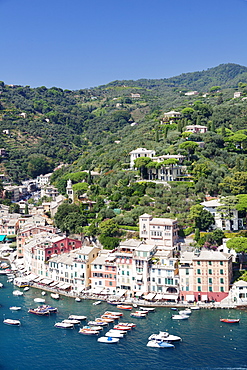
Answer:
(206, 342)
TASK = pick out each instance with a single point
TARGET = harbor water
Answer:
(206, 342)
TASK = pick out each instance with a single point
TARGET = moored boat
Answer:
(96, 303)
(114, 334)
(163, 335)
(149, 309)
(230, 321)
(55, 295)
(96, 323)
(129, 324)
(180, 317)
(74, 322)
(77, 299)
(138, 315)
(15, 308)
(64, 325)
(38, 311)
(88, 331)
(77, 317)
(114, 313)
(121, 327)
(39, 300)
(17, 293)
(108, 340)
(124, 307)
(159, 344)
(12, 322)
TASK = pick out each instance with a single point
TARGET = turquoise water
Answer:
(36, 344)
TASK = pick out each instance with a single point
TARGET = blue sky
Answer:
(80, 44)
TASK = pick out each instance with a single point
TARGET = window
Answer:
(110, 283)
(210, 280)
(199, 280)
(198, 263)
(187, 271)
(198, 271)
(210, 272)
(221, 281)
(210, 289)
(198, 288)
(221, 263)
(221, 272)
(210, 263)
(222, 289)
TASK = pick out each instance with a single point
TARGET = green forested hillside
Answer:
(82, 126)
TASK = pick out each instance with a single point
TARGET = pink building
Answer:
(104, 274)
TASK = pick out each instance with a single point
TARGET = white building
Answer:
(238, 293)
(43, 180)
(221, 221)
(196, 129)
(140, 152)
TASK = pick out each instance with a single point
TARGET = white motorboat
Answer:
(39, 300)
(64, 325)
(26, 289)
(159, 344)
(96, 323)
(43, 293)
(97, 328)
(180, 317)
(149, 309)
(17, 293)
(108, 340)
(187, 311)
(163, 335)
(113, 313)
(88, 331)
(96, 303)
(195, 308)
(15, 308)
(1, 285)
(12, 322)
(114, 334)
(77, 317)
(77, 299)
(55, 295)
(74, 322)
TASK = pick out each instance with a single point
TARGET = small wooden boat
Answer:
(121, 327)
(131, 324)
(88, 331)
(124, 307)
(138, 315)
(230, 321)
(114, 313)
(12, 322)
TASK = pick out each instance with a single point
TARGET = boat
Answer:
(48, 308)
(39, 300)
(114, 313)
(159, 344)
(114, 334)
(55, 295)
(114, 303)
(138, 315)
(108, 316)
(124, 307)
(77, 299)
(38, 311)
(108, 340)
(77, 317)
(12, 322)
(149, 309)
(163, 335)
(129, 324)
(43, 293)
(26, 289)
(105, 318)
(64, 325)
(180, 317)
(98, 328)
(15, 308)
(195, 308)
(121, 327)
(74, 322)
(1, 285)
(88, 331)
(230, 321)
(96, 323)
(174, 309)
(17, 293)
(187, 311)
(96, 303)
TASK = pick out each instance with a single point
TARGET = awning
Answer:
(159, 296)
(65, 286)
(31, 277)
(38, 279)
(138, 294)
(120, 292)
(170, 296)
(46, 281)
(54, 284)
(150, 296)
(60, 285)
(2, 237)
(190, 297)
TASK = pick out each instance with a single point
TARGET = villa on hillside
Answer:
(196, 129)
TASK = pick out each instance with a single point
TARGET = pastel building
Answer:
(138, 153)
(104, 274)
(161, 231)
(211, 272)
